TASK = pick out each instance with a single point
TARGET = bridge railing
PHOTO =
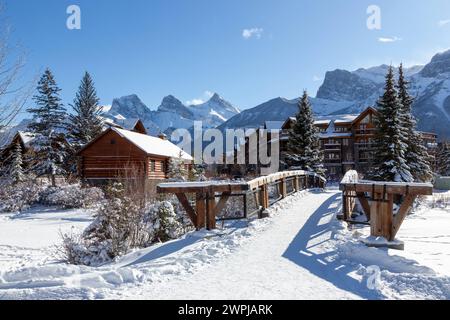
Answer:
(210, 198)
(377, 201)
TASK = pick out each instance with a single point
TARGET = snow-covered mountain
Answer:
(344, 92)
(430, 85)
(171, 113)
(279, 109)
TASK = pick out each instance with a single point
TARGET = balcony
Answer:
(367, 131)
(332, 147)
(365, 146)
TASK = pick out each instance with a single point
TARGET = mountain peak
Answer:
(171, 104)
(216, 97)
(439, 64)
(129, 106)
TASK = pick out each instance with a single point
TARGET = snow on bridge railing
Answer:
(206, 193)
(350, 177)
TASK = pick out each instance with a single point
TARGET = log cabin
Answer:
(122, 154)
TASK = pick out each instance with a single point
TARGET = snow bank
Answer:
(422, 271)
(156, 264)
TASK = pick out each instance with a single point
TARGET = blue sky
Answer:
(186, 48)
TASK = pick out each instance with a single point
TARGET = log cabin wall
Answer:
(156, 168)
(112, 157)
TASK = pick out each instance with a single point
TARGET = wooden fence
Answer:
(211, 197)
(377, 201)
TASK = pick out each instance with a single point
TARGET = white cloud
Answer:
(389, 39)
(253, 32)
(443, 23)
(196, 101)
(317, 78)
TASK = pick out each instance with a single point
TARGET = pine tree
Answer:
(48, 122)
(86, 123)
(176, 169)
(303, 149)
(390, 157)
(16, 166)
(443, 160)
(416, 155)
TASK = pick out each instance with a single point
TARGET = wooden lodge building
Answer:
(123, 154)
(347, 141)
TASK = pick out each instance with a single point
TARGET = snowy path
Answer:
(279, 263)
(300, 252)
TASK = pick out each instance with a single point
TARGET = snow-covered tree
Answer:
(416, 155)
(176, 169)
(303, 149)
(16, 166)
(48, 122)
(390, 162)
(443, 160)
(164, 224)
(198, 172)
(85, 124)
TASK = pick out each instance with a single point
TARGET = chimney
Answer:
(162, 136)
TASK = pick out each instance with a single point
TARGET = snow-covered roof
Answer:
(153, 145)
(27, 137)
(322, 122)
(337, 119)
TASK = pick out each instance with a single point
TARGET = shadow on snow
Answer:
(324, 265)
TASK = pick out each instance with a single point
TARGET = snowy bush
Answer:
(122, 224)
(20, 196)
(72, 196)
(162, 222)
(78, 251)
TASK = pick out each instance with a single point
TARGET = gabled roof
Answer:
(150, 145)
(127, 124)
(26, 137)
(364, 113)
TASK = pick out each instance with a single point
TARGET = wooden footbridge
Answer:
(377, 201)
(204, 201)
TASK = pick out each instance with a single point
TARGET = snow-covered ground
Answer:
(300, 252)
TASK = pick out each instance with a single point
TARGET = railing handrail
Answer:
(213, 186)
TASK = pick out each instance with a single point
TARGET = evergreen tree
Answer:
(176, 169)
(48, 122)
(16, 166)
(86, 123)
(303, 149)
(390, 155)
(416, 155)
(443, 160)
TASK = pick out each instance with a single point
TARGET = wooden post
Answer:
(264, 196)
(245, 200)
(344, 206)
(297, 183)
(200, 207)
(283, 190)
(211, 212)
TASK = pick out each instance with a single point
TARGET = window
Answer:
(152, 166)
(163, 169)
(340, 129)
(113, 141)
